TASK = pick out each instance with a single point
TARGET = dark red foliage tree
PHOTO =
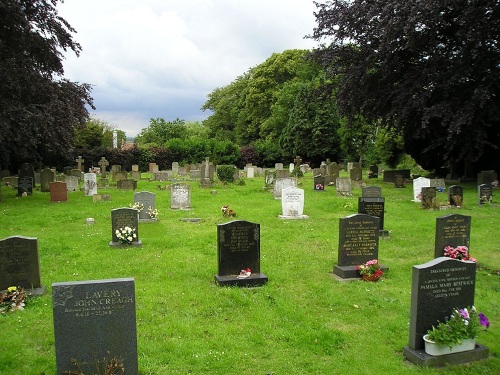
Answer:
(39, 109)
(428, 67)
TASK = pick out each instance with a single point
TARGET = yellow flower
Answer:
(11, 289)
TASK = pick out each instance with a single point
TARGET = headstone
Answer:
(4, 173)
(80, 161)
(152, 167)
(148, 200)
(175, 168)
(373, 171)
(250, 172)
(390, 175)
(418, 184)
(278, 166)
(438, 287)
(439, 184)
(373, 207)
(350, 165)
(135, 168)
(358, 243)
(451, 230)
(319, 183)
(399, 180)
(456, 195)
(283, 183)
(126, 184)
(428, 197)
(356, 174)
(291, 167)
(90, 184)
(58, 191)
(11, 181)
(371, 191)
(103, 163)
(119, 175)
(161, 176)
(195, 174)
(67, 171)
(20, 264)
(116, 168)
(94, 324)
(182, 171)
(76, 173)
(156, 168)
(24, 186)
(269, 178)
(282, 173)
(238, 248)
(71, 183)
(121, 218)
(135, 175)
(343, 186)
(292, 204)
(485, 194)
(46, 176)
(486, 177)
(180, 197)
(103, 183)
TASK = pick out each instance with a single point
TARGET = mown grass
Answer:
(302, 322)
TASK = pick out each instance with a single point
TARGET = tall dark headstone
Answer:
(20, 264)
(46, 176)
(373, 207)
(358, 243)
(428, 197)
(373, 171)
(238, 248)
(485, 194)
(121, 218)
(451, 230)
(95, 323)
(456, 195)
(438, 287)
(319, 183)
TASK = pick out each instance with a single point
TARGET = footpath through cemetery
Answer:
(336, 269)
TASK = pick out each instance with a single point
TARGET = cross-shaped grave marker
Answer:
(79, 160)
(103, 163)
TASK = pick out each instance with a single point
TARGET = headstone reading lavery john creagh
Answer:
(20, 264)
(358, 243)
(95, 325)
(238, 248)
(438, 287)
(451, 230)
(120, 219)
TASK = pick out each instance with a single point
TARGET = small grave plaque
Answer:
(121, 218)
(292, 204)
(358, 243)
(93, 321)
(20, 264)
(438, 287)
(456, 195)
(180, 197)
(58, 191)
(148, 201)
(451, 230)
(238, 248)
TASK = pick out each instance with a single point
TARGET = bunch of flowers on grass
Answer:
(14, 298)
(227, 212)
(126, 235)
(461, 325)
(153, 212)
(459, 252)
(370, 268)
(137, 205)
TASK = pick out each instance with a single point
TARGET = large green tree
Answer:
(160, 131)
(39, 109)
(430, 68)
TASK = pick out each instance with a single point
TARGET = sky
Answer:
(161, 58)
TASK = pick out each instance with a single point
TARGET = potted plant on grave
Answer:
(370, 271)
(457, 333)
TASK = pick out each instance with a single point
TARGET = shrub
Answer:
(225, 173)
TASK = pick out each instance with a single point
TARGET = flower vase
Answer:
(434, 349)
(371, 277)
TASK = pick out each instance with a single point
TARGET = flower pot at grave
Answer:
(434, 349)
(371, 277)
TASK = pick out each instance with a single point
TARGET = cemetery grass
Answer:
(303, 321)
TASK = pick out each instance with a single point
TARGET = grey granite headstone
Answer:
(238, 248)
(283, 183)
(282, 173)
(356, 173)
(46, 176)
(180, 196)
(438, 287)
(343, 186)
(121, 218)
(119, 175)
(20, 264)
(148, 200)
(71, 183)
(358, 243)
(390, 175)
(126, 184)
(451, 230)
(484, 193)
(371, 192)
(94, 323)
(456, 195)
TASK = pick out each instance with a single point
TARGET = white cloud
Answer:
(160, 58)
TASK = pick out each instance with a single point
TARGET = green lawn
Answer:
(303, 321)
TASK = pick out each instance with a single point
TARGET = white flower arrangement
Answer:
(152, 212)
(126, 235)
(138, 206)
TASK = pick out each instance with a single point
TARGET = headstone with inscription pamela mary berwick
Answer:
(95, 326)
(238, 254)
(438, 287)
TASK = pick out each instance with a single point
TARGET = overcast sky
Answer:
(161, 58)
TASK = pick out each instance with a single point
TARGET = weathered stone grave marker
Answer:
(180, 196)
(292, 204)
(148, 202)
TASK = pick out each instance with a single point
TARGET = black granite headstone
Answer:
(20, 264)
(373, 207)
(399, 180)
(121, 218)
(373, 171)
(94, 324)
(438, 287)
(238, 248)
(389, 176)
(451, 230)
(456, 195)
(319, 183)
(485, 194)
(25, 185)
(358, 243)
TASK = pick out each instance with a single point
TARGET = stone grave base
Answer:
(35, 292)
(257, 279)
(383, 233)
(350, 272)
(298, 217)
(421, 358)
(123, 245)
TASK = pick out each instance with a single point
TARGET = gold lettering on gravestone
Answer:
(99, 303)
(446, 283)
(241, 239)
(360, 240)
(456, 228)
